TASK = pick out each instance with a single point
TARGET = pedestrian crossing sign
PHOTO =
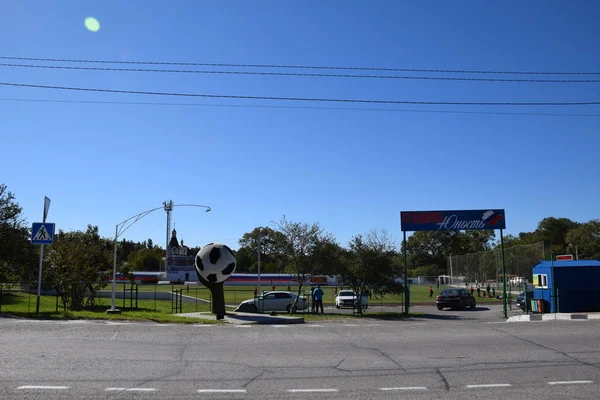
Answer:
(42, 233)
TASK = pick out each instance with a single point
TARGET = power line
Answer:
(456, 71)
(162, 104)
(323, 100)
(179, 71)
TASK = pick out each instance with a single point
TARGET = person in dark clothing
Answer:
(488, 289)
(478, 291)
(430, 291)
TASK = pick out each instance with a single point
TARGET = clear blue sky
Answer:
(350, 170)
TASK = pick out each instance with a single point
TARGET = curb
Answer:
(552, 317)
(248, 318)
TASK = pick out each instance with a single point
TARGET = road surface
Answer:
(476, 356)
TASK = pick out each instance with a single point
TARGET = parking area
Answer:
(483, 313)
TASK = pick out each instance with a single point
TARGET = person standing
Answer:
(319, 299)
(478, 291)
(488, 289)
(430, 291)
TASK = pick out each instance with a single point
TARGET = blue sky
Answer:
(350, 170)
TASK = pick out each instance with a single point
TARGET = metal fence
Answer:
(486, 266)
(172, 298)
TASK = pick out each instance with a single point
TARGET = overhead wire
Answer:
(312, 75)
(291, 66)
(166, 104)
(300, 99)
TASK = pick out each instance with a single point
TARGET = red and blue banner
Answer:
(462, 220)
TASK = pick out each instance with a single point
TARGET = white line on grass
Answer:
(489, 385)
(45, 387)
(568, 382)
(312, 390)
(405, 388)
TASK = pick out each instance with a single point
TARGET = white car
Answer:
(272, 301)
(347, 298)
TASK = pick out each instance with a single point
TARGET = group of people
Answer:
(488, 292)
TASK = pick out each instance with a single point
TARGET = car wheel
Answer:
(338, 307)
(473, 306)
(288, 308)
(440, 308)
(461, 305)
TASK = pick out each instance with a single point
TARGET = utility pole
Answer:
(168, 206)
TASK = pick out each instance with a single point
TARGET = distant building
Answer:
(180, 265)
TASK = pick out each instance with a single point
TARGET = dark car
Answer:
(521, 301)
(456, 299)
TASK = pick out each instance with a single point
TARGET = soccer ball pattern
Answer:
(215, 262)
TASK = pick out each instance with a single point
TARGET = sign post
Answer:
(42, 233)
(461, 220)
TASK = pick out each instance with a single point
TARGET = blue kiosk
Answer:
(566, 286)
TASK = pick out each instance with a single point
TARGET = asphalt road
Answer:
(450, 355)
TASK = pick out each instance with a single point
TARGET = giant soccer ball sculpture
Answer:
(215, 263)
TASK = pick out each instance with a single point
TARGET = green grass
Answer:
(24, 305)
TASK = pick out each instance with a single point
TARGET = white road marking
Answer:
(222, 391)
(115, 389)
(243, 326)
(568, 382)
(118, 389)
(45, 387)
(312, 390)
(114, 336)
(489, 385)
(315, 325)
(405, 388)
(279, 326)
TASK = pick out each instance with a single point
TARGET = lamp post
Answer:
(259, 251)
(120, 229)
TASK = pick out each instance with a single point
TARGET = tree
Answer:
(306, 247)
(77, 263)
(17, 254)
(145, 259)
(553, 232)
(370, 264)
(584, 240)
(272, 258)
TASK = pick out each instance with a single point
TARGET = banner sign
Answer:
(452, 220)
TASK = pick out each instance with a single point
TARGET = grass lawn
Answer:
(24, 304)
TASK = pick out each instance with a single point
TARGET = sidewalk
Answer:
(553, 317)
(247, 318)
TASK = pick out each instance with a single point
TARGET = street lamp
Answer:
(259, 251)
(120, 229)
